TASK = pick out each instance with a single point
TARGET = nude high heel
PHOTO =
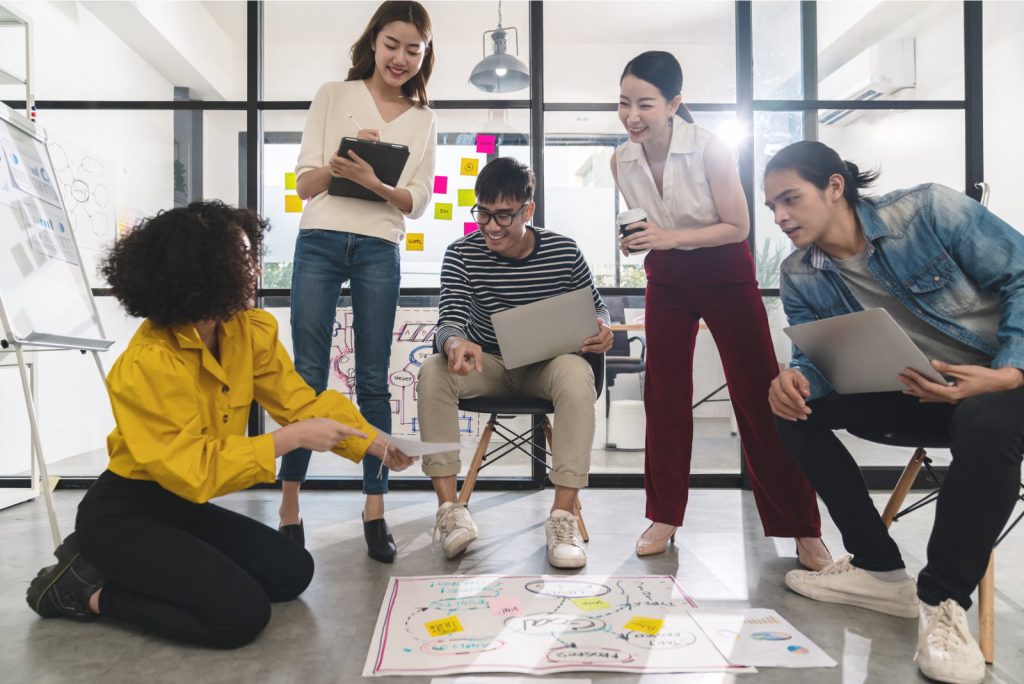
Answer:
(650, 547)
(812, 553)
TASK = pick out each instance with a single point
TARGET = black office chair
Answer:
(894, 511)
(535, 442)
(620, 361)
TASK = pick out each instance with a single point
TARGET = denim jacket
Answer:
(935, 250)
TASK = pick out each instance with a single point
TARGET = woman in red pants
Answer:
(700, 267)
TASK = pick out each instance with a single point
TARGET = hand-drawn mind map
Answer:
(538, 625)
(412, 343)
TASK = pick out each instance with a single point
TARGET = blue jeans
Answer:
(324, 260)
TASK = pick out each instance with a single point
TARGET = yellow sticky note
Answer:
(414, 242)
(448, 625)
(644, 624)
(443, 211)
(289, 181)
(469, 166)
(591, 603)
(467, 198)
(292, 204)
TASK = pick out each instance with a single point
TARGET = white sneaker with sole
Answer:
(842, 582)
(565, 545)
(456, 527)
(946, 649)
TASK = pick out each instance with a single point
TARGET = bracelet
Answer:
(383, 458)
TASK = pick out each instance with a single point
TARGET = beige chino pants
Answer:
(567, 381)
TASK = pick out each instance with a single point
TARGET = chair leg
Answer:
(578, 510)
(474, 467)
(987, 612)
(576, 504)
(906, 481)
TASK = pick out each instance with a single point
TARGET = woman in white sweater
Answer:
(345, 239)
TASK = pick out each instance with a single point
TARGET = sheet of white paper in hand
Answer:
(413, 448)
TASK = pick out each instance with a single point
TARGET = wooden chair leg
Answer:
(578, 510)
(576, 504)
(987, 611)
(474, 466)
(906, 481)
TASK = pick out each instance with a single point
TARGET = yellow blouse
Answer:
(182, 414)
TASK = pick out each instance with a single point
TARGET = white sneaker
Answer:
(946, 649)
(843, 582)
(565, 546)
(456, 527)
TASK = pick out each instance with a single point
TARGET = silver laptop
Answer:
(545, 329)
(861, 352)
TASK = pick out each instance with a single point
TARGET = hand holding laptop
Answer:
(599, 343)
(968, 381)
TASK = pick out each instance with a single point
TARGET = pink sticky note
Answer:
(485, 144)
(440, 184)
(504, 606)
(469, 226)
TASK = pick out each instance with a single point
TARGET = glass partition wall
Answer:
(218, 113)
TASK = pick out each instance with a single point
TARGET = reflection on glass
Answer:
(772, 132)
(890, 51)
(777, 74)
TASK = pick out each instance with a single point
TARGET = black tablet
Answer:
(387, 160)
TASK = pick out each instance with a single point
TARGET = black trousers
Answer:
(986, 436)
(192, 572)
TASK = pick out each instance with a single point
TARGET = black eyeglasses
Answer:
(503, 218)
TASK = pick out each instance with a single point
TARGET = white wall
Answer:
(1004, 101)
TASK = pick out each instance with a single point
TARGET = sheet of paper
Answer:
(415, 448)
(759, 637)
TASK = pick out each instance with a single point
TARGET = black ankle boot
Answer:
(294, 532)
(380, 545)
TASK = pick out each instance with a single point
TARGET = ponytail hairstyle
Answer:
(363, 62)
(662, 70)
(816, 162)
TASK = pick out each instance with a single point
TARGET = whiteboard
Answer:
(44, 293)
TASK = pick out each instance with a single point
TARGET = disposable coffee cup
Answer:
(628, 218)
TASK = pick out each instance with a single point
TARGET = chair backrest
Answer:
(596, 362)
(620, 343)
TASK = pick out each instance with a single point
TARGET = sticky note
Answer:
(414, 242)
(467, 198)
(469, 226)
(469, 166)
(591, 603)
(485, 144)
(440, 185)
(289, 181)
(443, 211)
(504, 606)
(292, 204)
(448, 625)
(644, 624)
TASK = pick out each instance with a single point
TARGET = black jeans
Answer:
(193, 572)
(986, 436)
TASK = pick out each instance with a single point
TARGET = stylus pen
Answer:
(354, 121)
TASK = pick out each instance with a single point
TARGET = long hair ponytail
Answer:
(816, 162)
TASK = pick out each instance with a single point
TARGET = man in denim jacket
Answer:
(951, 274)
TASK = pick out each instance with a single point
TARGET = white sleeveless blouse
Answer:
(687, 200)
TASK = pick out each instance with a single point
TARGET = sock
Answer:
(897, 575)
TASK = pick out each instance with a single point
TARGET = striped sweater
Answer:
(476, 283)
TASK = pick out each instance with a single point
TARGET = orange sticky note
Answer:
(448, 625)
(292, 204)
(289, 181)
(414, 242)
(443, 211)
(469, 166)
(467, 198)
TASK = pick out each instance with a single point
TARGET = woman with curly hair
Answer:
(148, 547)
(344, 239)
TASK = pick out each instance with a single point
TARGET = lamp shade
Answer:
(500, 72)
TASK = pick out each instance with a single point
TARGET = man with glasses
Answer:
(504, 264)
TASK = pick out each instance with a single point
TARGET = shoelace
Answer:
(841, 565)
(945, 630)
(445, 522)
(565, 531)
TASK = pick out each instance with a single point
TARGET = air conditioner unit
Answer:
(877, 73)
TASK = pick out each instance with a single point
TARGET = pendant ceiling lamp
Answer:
(500, 72)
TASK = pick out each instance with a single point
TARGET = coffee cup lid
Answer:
(631, 215)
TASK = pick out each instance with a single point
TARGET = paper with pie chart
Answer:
(760, 638)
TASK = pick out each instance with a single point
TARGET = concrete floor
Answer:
(721, 560)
